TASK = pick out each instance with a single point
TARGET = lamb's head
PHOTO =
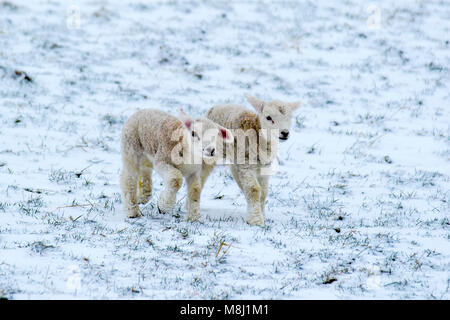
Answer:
(205, 135)
(274, 115)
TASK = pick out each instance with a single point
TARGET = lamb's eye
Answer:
(269, 118)
(194, 134)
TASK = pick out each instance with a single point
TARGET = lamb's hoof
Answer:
(193, 218)
(133, 213)
(144, 197)
(162, 211)
(255, 220)
(143, 200)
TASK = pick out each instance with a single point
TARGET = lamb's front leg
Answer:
(206, 171)
(264, 183)
(252, 191)
(173, 180)
(193, 199)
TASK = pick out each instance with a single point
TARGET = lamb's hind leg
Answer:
(173, 180)
(145, 181)
(252, 191)
(128, 184)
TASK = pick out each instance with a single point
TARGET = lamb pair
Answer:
(189, 148)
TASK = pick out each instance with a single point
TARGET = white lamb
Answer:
(253, 177)
(153, 139)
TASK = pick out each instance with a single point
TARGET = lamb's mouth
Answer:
(283, 138)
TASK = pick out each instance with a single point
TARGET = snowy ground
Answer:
(359, 209)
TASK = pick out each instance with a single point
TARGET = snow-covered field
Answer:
(360, 207)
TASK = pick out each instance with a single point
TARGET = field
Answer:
(360, 206)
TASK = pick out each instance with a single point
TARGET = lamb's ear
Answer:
(187, 121)
(226, 134)
(255, 102)
(294, 105)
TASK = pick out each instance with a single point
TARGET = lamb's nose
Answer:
(284, 134)
(210, 151)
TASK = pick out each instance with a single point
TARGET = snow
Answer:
(362, 195)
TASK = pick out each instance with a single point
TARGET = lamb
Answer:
(252, 177)
(175, 148)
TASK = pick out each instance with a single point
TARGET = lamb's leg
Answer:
(252, 191)
(235, 175)
(128, 184)
(206, 171)
(264, 183)
(193, 199)
(173, 180)
(145, 182)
